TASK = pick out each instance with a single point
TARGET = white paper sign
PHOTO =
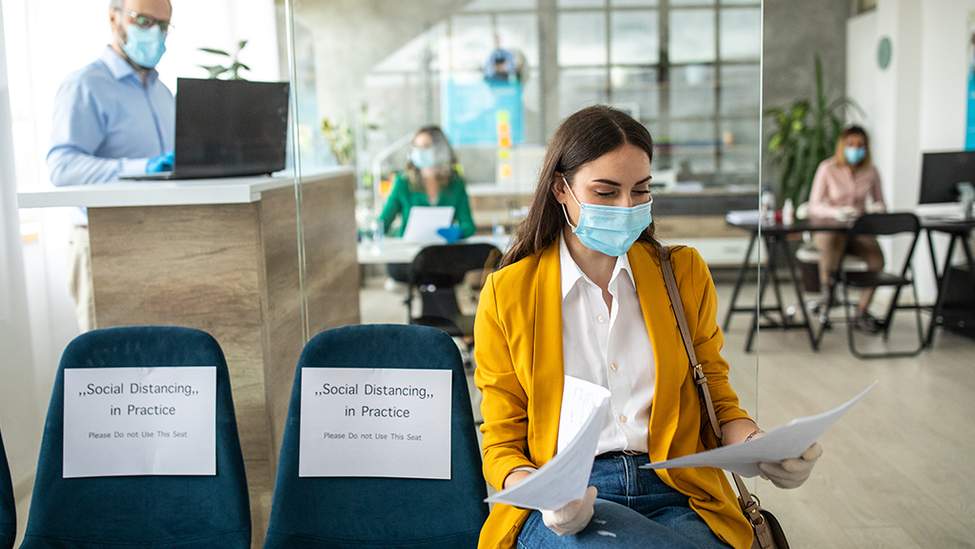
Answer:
(140, 421)
(358, 422)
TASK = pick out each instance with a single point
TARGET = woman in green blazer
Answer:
(432, 178)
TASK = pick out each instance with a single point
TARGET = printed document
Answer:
(585, 407)
(783, 442)
(425, 220)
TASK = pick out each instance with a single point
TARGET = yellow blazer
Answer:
(520, 374)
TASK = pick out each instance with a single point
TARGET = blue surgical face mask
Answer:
(144, 47)
(423, 158)
(609, 229)
(854, 155)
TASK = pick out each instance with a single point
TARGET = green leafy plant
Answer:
(340, 140)
(233, 69)
(805, 135)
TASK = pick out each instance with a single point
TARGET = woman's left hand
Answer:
(791, 473)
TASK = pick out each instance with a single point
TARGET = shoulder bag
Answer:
(768, 531)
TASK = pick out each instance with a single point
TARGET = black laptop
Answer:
(227, 128)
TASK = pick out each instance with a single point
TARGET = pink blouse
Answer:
(836, 187)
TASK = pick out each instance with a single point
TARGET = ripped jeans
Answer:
(634, 509)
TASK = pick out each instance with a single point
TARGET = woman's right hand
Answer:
(572, 518)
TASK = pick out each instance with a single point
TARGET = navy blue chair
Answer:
(347, 512)
(8, 509)
(151, 512)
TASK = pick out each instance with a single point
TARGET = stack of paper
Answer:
(744, 217)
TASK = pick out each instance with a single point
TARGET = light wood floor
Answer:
(898, 470)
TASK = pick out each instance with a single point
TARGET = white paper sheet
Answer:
(566, 477)
(424, 222)
(375, 422)
(140, 421)
(783, 442)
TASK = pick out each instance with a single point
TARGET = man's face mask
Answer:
(145, 47)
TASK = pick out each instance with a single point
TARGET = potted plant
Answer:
(805, 135)
(232, 70)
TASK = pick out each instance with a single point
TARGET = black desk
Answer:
(959, 231)
(775, 237)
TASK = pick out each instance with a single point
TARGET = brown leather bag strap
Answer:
(749, 506)
(675, 301)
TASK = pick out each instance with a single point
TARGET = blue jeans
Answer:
(634, 508)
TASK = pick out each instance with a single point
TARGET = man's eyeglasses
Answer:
(147, 21)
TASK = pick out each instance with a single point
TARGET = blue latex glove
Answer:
(451, 234)
(161, 163)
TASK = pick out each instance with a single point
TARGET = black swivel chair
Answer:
(434, 274)
(885, 224)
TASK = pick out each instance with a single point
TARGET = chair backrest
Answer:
(141, 511)
(885, 224)
(444, 265)
(346, 512)
(888, 224)
(8, 508)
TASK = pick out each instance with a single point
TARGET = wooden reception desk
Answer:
(221, 255)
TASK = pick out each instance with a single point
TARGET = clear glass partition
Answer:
(367, 77)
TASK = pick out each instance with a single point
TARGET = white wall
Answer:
(20, 406)
(918, 103)
(943, 105)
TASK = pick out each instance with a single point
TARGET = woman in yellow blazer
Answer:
(586, 247)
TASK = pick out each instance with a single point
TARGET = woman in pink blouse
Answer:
(845, 186)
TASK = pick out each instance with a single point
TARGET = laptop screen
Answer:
(230, 127)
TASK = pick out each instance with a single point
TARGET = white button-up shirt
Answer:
(609, 347)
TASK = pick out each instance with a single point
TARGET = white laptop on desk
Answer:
(424, 222)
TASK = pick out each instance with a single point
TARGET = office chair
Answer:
(8, 507)
(154, 512)
(434, 274)
(884, 224)
(348, 512)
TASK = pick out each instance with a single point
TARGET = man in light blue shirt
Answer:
(112, 117)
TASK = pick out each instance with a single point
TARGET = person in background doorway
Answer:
(847, 185)
(112, 117)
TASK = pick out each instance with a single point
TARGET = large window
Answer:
(688, 69)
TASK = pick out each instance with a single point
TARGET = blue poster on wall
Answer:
(970, 122)
(469, 111)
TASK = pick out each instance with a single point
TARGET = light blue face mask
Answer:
(145, 47)
(423, 158)
(609, 229)
(854, 155)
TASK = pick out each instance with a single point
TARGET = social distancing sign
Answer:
(140, 421)
(358, 422)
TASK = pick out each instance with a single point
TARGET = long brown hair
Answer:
(581, 138)
(840, 154)
(442, 151)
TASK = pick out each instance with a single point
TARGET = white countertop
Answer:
(228, 190)
(396, 250)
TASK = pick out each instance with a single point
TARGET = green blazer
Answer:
(401, 200)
